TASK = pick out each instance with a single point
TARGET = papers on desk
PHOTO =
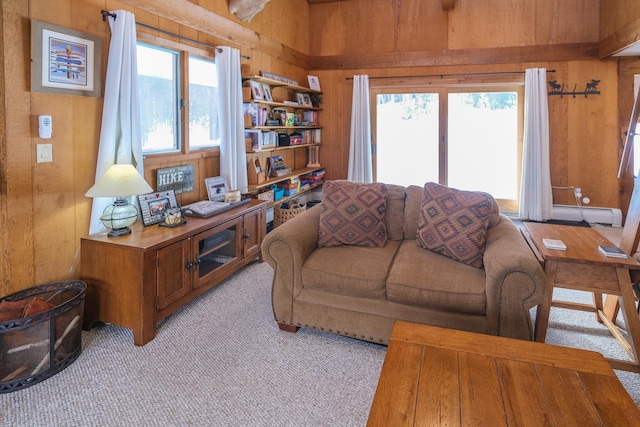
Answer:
(554, 244)
(612, 251)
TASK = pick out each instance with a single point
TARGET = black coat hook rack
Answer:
(591, 88)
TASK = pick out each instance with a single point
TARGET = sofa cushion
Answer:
(427, 279)
(454, 222)
(412, 207)
(349, 270)
(412, 203)
(353, 214)
(394, 215)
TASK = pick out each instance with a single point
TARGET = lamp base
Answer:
(118, 232)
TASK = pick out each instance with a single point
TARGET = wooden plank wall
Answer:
(419, 38)
(619, 26)
(43, 211)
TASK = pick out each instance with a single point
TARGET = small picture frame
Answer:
(314, 83)
(256, 90)
(300, 98)
(307, 100)
(216, 188)
(153, 206)
(266, 92)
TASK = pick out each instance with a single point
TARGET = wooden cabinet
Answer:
(266, 120)
(136, 280)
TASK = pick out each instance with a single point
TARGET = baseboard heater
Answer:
(610, 216)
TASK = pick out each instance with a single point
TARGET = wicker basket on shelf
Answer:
(282, 214)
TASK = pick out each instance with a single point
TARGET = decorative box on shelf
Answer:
(255, 174)
(266, 195)
(278, 193)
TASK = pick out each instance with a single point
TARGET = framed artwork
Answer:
(64, 61)
(314, 82)
(300, 98)
(307, 100)
(153, 206)
(216, 187)
(256, 90)
(266, 91)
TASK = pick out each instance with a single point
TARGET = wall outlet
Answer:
(578, 192)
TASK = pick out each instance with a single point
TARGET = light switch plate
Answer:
(44, 153)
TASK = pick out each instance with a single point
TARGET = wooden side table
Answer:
(583, 267)
(434, 376)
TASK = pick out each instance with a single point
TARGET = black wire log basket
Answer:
(44, 337)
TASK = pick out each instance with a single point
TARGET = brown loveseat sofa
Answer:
(360, 291)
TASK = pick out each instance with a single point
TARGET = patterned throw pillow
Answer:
(353, 214)
(454, 222)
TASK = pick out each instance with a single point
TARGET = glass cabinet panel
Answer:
(217, 249)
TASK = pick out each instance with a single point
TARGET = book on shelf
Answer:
(255, 138)
(259, 115)
(310, 117)
(275, 173)
(612, 251)
(554, 244)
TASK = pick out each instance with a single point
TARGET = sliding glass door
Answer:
(407, 138)
(464, 137)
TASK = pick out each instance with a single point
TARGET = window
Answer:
(203, 104)
(168, 97)
(159, 93)
(464, 137)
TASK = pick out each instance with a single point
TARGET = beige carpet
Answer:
(221, 361)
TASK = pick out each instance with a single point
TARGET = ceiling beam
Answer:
(194, 16)
(434, 58)
(621, 39)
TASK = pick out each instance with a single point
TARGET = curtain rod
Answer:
(496, 73)
(114, 16)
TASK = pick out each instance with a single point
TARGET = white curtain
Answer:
(360, 165)
(536, 200)
(120, 141)
(233, 159)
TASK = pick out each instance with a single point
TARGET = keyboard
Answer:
(205, 208)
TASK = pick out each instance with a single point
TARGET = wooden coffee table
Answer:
(433, 376)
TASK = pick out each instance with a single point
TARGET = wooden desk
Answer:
(583, 267)
(434, 376)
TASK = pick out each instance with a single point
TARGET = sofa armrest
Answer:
(286, 248)
(515, 279)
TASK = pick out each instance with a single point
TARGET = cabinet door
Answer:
(217, 250)
(174, 272)
(254, 231)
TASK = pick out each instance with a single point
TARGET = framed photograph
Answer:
(216, 187)
(314, 82)
(266, 92)
(256, 90)
(64, 61)
(154, 205)
(307, 100)
(300, 98)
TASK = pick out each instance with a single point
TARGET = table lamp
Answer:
(120, 181)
